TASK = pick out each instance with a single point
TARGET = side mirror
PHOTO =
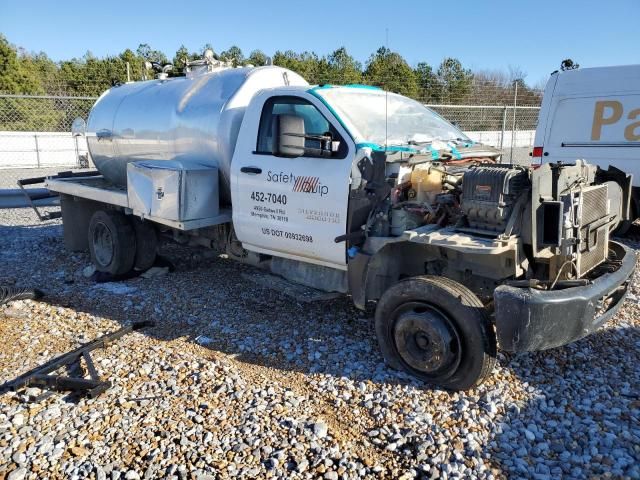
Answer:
(288, 136)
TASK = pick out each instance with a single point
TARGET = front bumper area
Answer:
(528, 319)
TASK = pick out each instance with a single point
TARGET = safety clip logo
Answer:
(307, 184)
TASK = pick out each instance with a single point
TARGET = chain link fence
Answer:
(35, 136)
(36, 139)
(509, 128)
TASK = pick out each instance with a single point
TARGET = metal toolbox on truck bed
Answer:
(174, 190)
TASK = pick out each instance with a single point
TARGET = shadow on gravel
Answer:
(584, 417)
(38, 241)
(10, 232)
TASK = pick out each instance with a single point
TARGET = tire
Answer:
(146, 244)
(623, 228)
(112, 242)
(438, 331)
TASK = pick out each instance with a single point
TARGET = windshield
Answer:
(408, 121)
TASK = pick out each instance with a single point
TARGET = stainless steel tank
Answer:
(185, 118)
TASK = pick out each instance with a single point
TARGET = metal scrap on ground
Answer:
(42, 376)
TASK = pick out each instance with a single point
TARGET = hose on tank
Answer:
(8, 294)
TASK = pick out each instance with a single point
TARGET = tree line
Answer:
(450, 82)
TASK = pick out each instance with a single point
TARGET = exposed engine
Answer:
(478, 198)
(475, 198)
(557, 218)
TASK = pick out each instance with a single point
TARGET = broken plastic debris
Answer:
(88, 271)
(116, 288)
(154, 272)
(203, 340)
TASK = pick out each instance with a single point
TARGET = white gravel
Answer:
(239, 381)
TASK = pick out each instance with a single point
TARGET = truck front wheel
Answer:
(437, 330)
(112, 242)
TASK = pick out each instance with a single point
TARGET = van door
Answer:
(292, 207)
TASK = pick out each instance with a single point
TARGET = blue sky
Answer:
(535, 36)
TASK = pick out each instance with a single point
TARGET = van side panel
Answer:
(594, 114)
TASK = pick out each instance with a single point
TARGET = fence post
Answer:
(35, 136)
(504, 125)
(513, 123)
(75, 139)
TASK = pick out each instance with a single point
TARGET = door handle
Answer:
(254, 170)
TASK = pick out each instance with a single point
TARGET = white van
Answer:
(593, 114)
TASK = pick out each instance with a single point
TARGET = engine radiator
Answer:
(593, 211)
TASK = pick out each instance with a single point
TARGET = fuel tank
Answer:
(194, 118)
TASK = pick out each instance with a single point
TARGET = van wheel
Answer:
(437, 330)
(112, 242)
(146, 244)
(623, 228)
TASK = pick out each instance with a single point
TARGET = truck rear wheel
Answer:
(437, 330)
(112, 242)
(146, 244)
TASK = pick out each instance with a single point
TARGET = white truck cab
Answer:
(593, 114)
(354, 190)
(292, 207)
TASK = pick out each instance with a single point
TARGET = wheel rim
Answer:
(102, 244)
(426, 340)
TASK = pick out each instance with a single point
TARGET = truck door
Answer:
(291, 207)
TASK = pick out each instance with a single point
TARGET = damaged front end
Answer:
(580, 277)
(531, 319)
(534, 243)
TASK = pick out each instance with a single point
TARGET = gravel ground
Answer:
(240, 381)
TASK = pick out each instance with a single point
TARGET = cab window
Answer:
(314, 124)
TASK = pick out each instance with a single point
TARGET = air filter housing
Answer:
(489, 193)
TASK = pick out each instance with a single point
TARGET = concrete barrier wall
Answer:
(521, 139)
(40, 149)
